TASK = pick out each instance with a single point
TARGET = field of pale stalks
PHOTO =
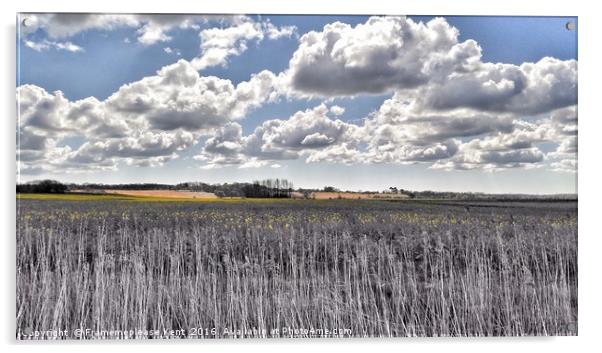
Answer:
(244, 269)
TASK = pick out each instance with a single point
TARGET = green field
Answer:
(115, 197)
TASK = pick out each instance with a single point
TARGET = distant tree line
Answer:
(221, 190)
(132, 186)
(269, 188)
(42, 187)
(444, 195)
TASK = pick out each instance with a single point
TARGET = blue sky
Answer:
(371, 102)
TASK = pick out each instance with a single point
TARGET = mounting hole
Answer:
(570, 25)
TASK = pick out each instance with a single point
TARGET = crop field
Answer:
(322, 195)
(164, 193)
(261, 269)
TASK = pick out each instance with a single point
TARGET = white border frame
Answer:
(588, 174)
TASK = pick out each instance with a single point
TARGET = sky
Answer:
(482, 104)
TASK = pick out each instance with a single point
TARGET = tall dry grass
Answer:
(377, 269)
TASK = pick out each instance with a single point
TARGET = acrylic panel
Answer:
(295, 176)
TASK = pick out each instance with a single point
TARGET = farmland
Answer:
(321, 195)
(376, 268)
(164, 194)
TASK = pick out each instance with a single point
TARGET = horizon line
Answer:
(309, 188)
